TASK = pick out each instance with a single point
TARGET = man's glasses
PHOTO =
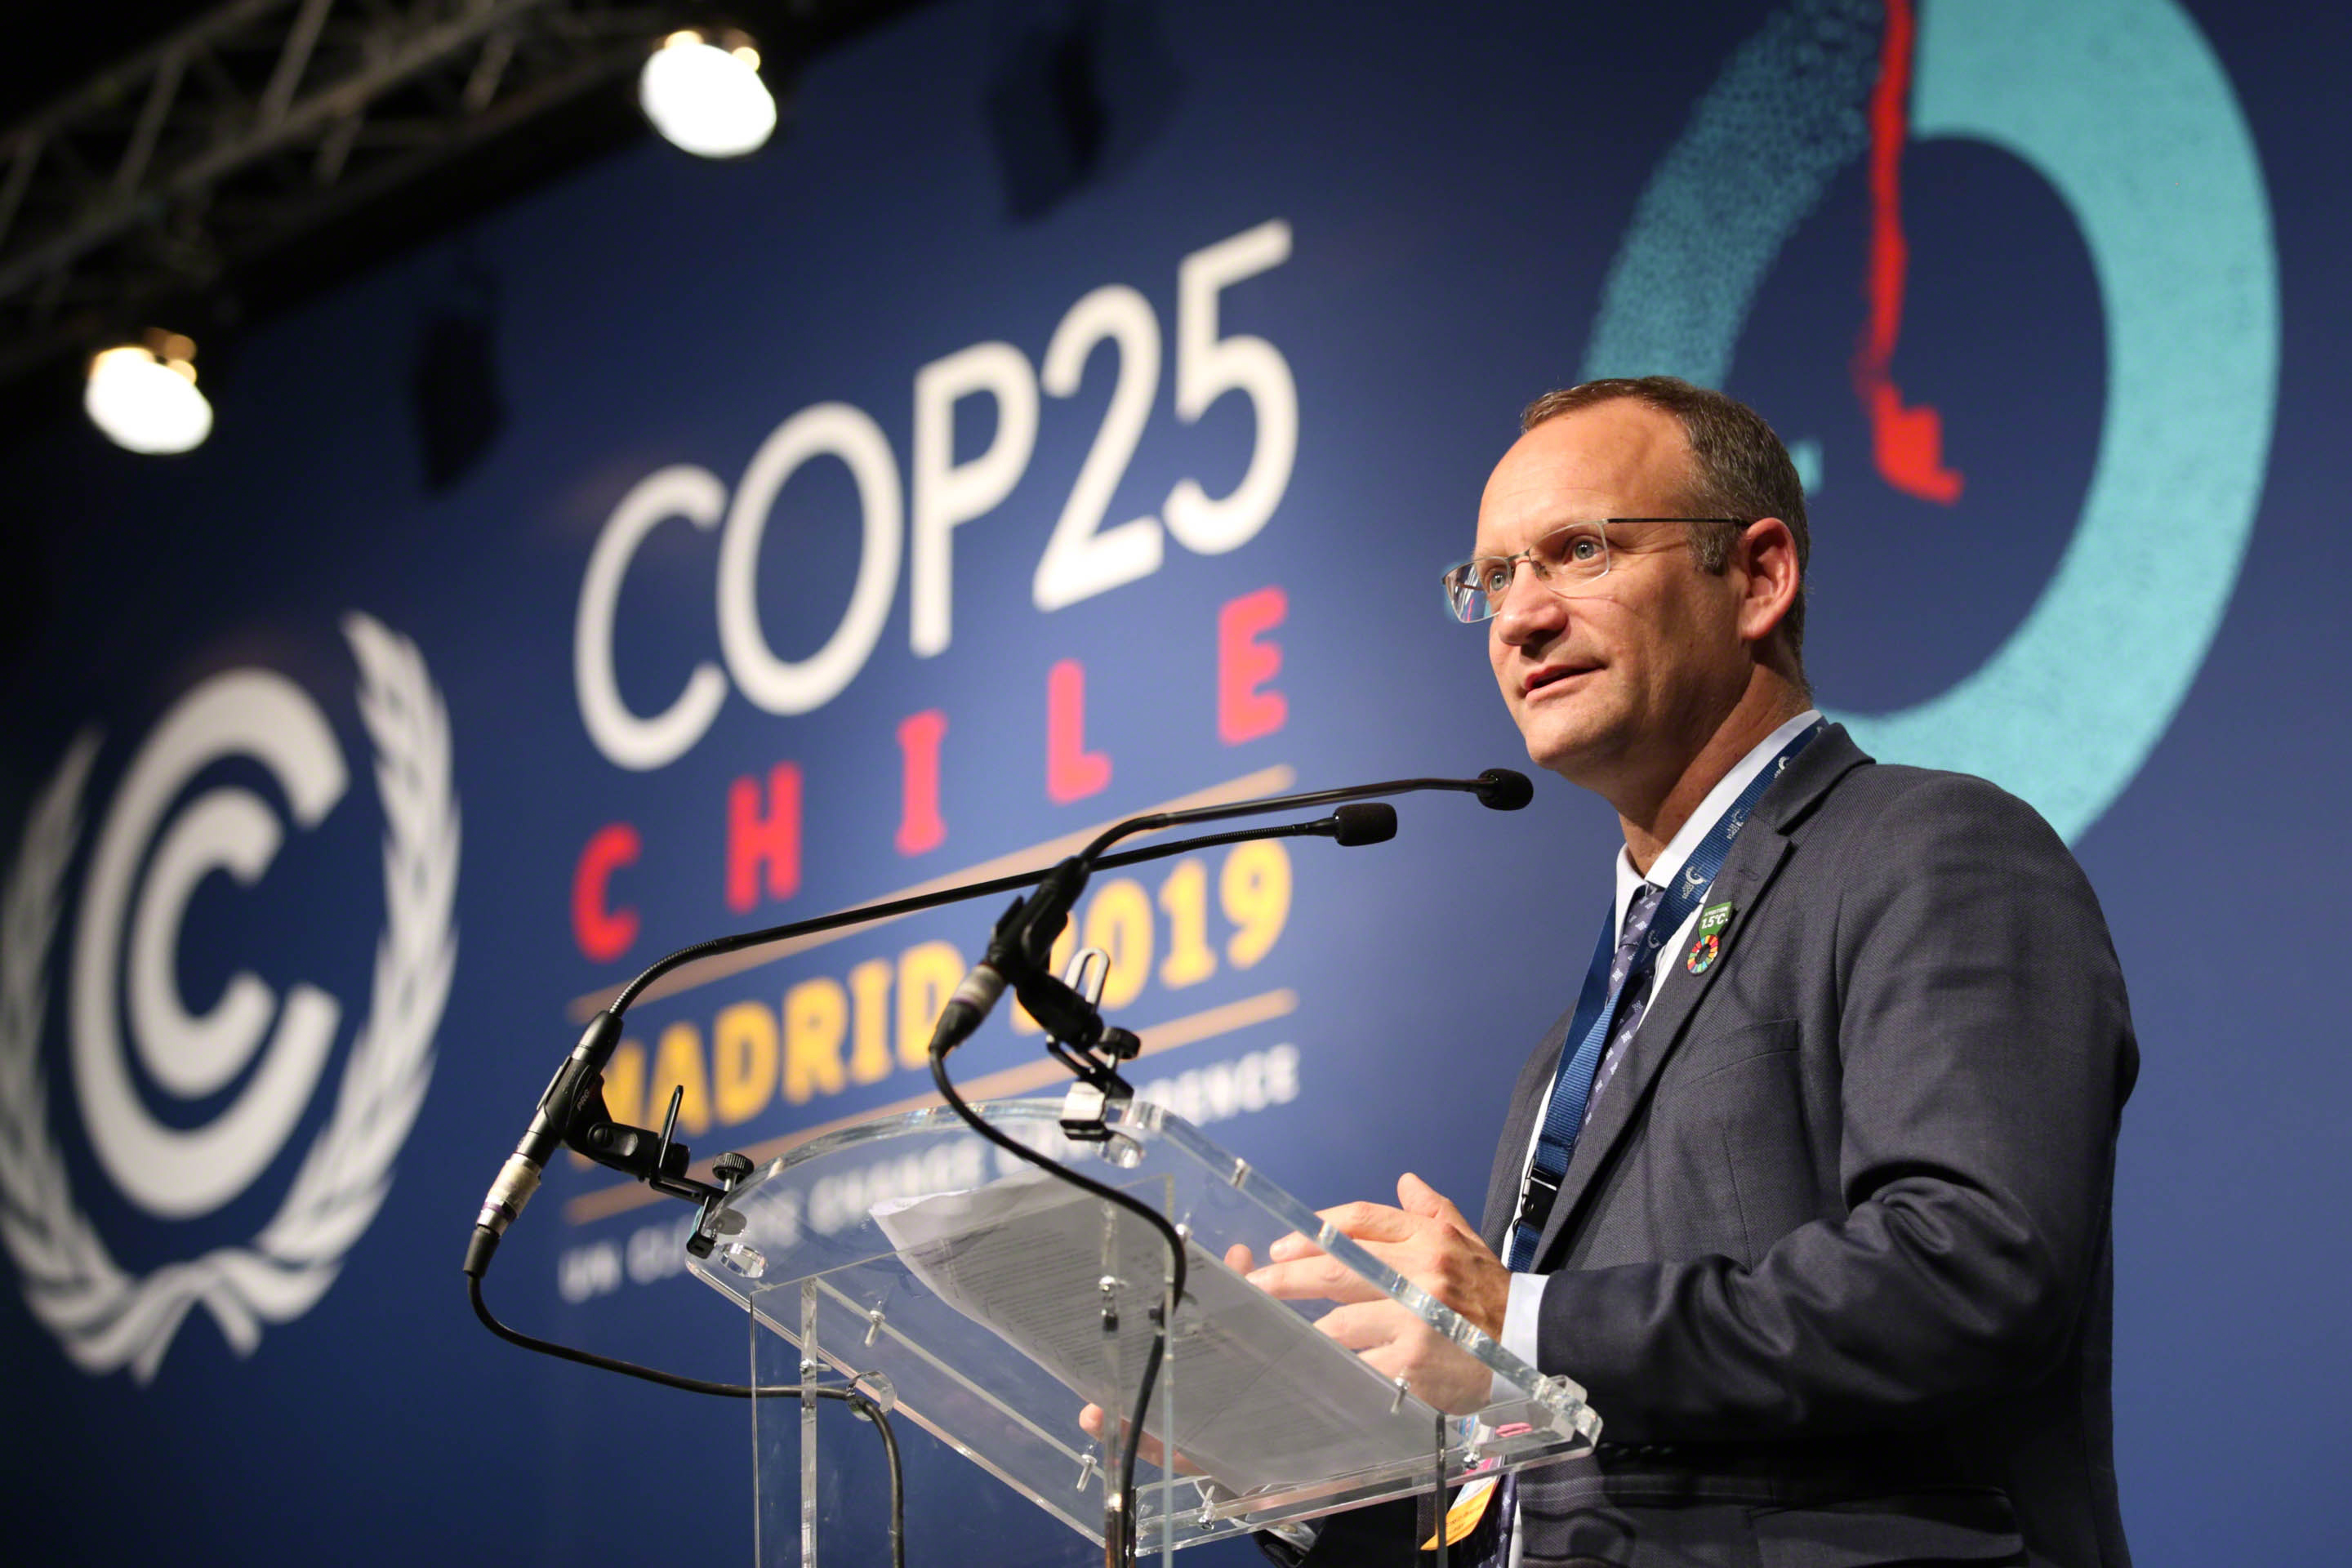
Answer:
(1567, 561)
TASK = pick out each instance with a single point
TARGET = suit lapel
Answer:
(1755, 860)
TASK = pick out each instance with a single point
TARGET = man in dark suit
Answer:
(1812, 1192)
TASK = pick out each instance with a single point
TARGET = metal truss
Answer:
(258, 122)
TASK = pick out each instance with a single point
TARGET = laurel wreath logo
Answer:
(109, 1318)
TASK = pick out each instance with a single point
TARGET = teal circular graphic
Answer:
(2121, 106)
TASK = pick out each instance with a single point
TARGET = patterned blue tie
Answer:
(1641, 978)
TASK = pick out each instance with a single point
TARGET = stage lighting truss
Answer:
(258, 122)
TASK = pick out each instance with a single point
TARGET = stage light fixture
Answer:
(143, 395)
(703, 93)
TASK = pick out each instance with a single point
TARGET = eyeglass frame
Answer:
(1529, 555)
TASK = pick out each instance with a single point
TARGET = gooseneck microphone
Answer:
(1500, 789)
(1006, 961)
(1017, 948)
(568, 1106)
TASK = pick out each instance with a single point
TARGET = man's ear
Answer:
(1765, 557)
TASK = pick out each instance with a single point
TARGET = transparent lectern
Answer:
(979, 1300)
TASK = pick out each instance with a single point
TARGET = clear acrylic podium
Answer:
(985, 1304)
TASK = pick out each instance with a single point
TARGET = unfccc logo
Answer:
(272, 1051)
(2123, 109)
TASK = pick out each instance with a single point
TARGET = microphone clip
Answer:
(660, 1162)
(656, 1158)
(1076, 1036)
(1099, 1087)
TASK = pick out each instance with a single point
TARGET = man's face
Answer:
(1634, 671)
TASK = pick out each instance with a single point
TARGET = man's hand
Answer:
(1427, 1240)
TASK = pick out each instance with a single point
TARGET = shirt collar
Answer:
(1669, 863)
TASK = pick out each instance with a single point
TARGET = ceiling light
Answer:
(705, 94)
(144, 396)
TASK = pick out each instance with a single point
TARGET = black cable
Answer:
(872, 1412)
(1120, 1552)
(860, 1403)
(1129, 1523)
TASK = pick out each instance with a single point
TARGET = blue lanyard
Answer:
(1596, 1006)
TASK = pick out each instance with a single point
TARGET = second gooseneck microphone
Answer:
(1018, 947)
(1500, 789)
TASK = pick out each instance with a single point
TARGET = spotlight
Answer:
(704, 94)
(143, 395)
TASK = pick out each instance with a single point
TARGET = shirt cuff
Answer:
(1521, 1316)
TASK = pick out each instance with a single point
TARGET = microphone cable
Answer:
(863, 1406)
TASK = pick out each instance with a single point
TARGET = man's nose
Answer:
(1530, 611)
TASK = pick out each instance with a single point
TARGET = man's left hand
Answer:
(1425, 1240)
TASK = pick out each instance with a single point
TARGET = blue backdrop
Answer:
(1071, 412)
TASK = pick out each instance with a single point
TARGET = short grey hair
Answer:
(1740, 469)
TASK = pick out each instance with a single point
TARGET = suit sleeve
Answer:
(1984, 1049)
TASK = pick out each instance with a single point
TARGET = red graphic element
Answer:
(773, 840)
(604, 933)
(1245, 664)
(1909, 443)
(1072, 773)
(919, 827)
